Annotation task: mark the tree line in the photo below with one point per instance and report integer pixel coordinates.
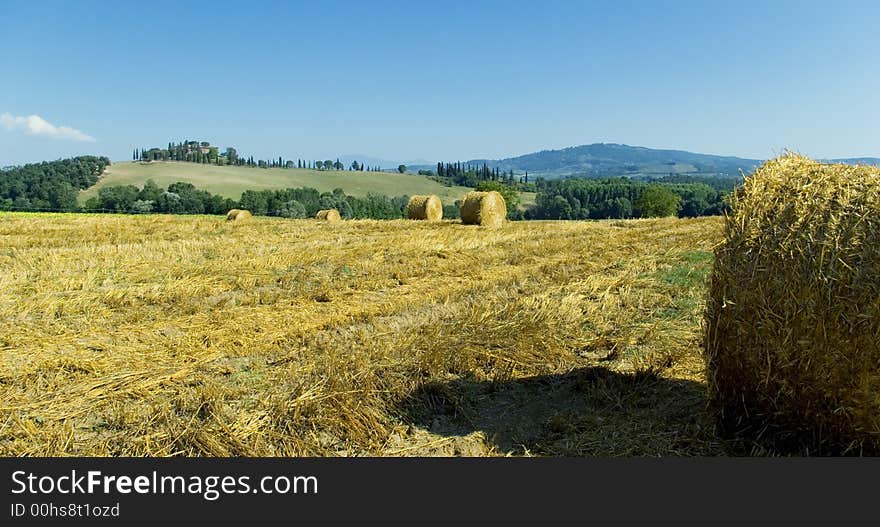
(305, 202)
(205, 153)
(580, 199)
(724, 184)
(50, 185)
(468, 175)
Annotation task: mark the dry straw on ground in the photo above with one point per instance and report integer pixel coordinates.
(238, 215)
(167, 335)
(425, 208)
(793, 320)
(483, 208)
(331, 215)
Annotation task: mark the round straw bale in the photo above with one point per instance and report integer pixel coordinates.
(425, 208)
(331, 215)
(483, 208)
(792, 338)
(238, 215)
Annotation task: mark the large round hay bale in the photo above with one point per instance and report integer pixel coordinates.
(792, 339)
(238, 215)
(331, 215)
(425, 208)
(483, 208)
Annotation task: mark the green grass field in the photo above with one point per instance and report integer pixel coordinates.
(232, 181)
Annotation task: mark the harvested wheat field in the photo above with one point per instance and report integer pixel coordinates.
(174, 335)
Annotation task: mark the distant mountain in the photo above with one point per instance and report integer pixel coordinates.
(611, 159)
(856, 160)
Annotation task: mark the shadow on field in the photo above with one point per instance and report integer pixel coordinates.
(588, 411)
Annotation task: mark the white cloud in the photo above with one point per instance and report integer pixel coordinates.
(36, 125)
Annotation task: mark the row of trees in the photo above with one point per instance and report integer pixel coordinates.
(472, 175)
(719, 183)
(178, 198)
(306, 202)
(50, 185)
(573, 199)
(203, 152)
(184, 198)
(565, 199)
(579, 199)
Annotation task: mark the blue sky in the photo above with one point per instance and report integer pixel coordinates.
(438, 80)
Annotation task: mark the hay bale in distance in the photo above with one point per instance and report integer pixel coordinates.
(331, 215)
(425, 208)
(238, 215)
(483, 208)
(792, 337)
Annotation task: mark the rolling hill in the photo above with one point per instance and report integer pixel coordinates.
(611, 160)
(856, 160)
(231, 181)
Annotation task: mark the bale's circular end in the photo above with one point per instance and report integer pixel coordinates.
(792, 332)
(329, 215)
(425, 208)
(483, 208)
(238, 215)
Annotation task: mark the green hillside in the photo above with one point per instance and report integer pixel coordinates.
(612, 160)
(230, 181)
